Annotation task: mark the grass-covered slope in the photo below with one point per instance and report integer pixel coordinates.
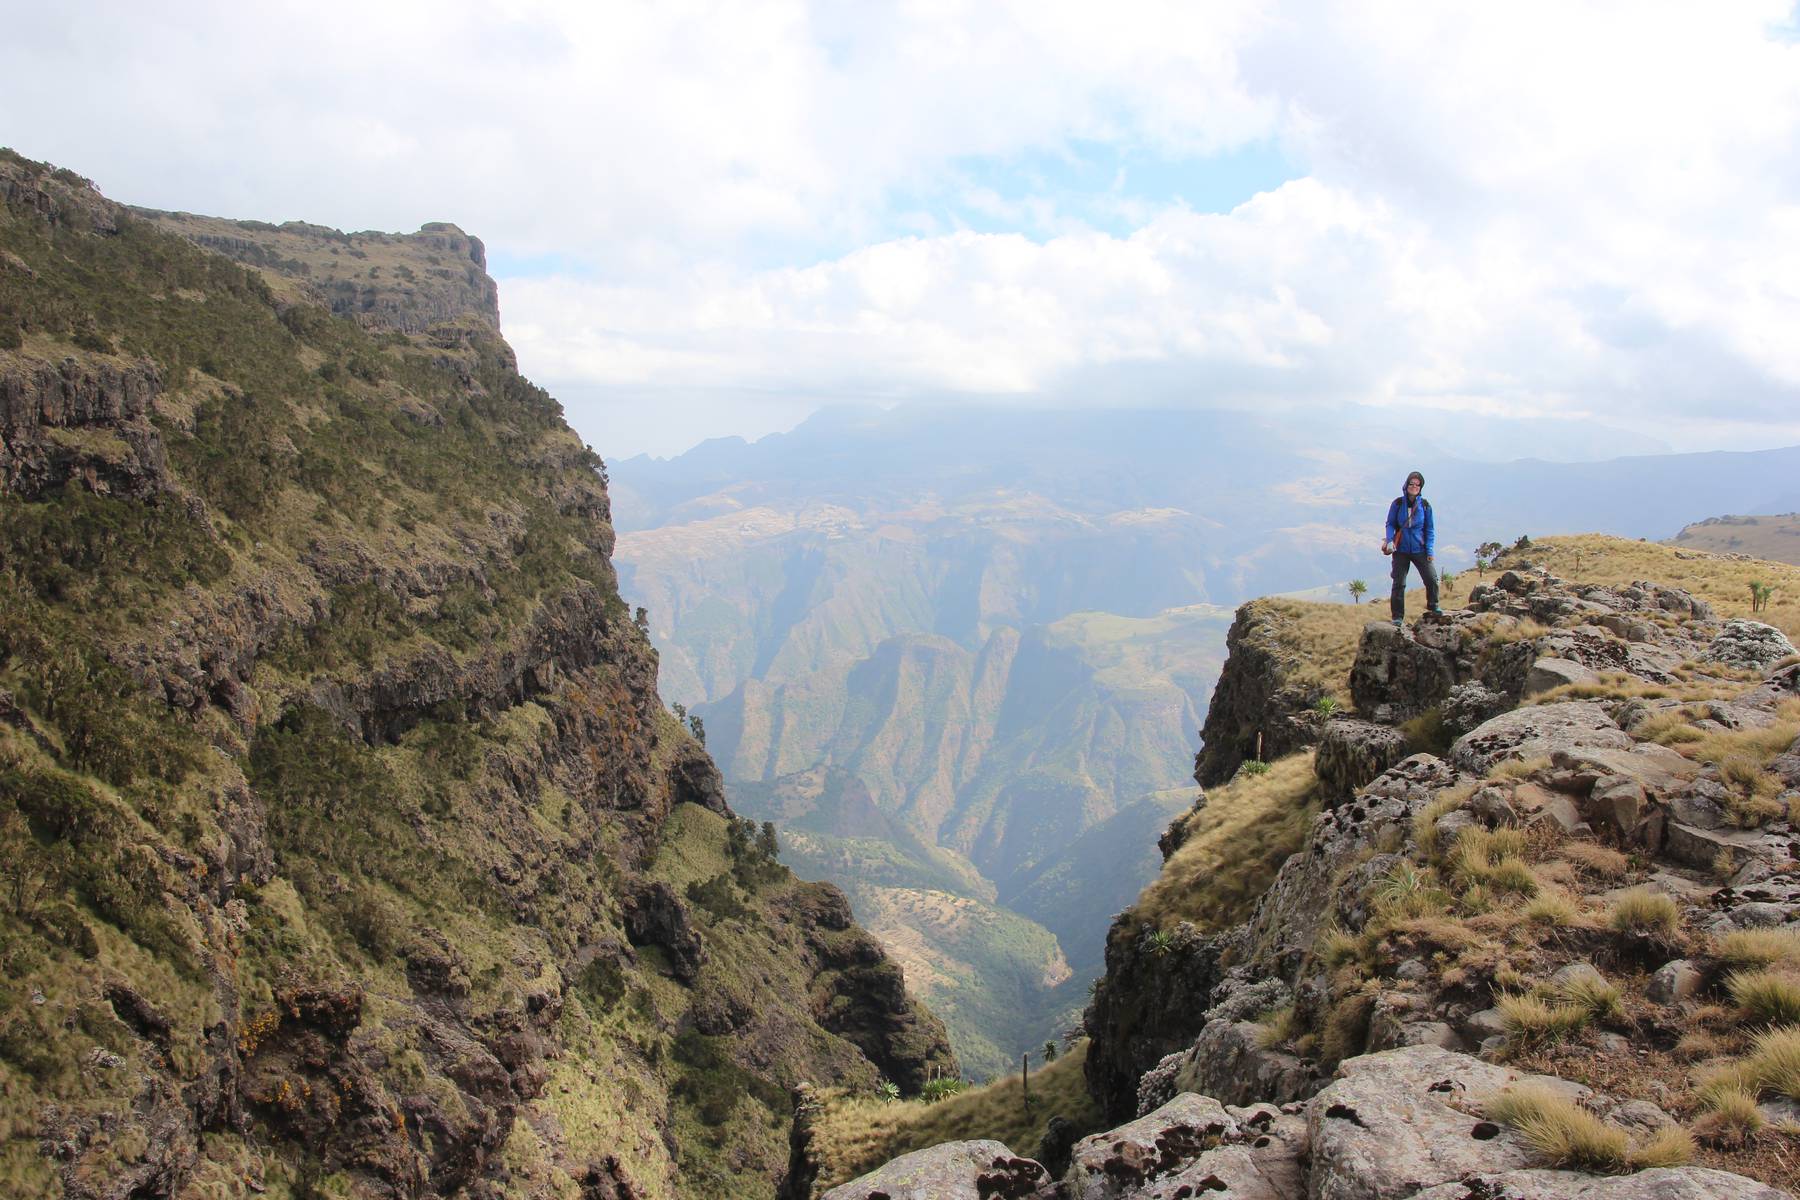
(346, 848)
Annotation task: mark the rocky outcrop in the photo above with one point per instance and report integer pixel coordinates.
(84, 420)
(983, 1170)
(1264, 700)
(1352, 753)
(1749, 645)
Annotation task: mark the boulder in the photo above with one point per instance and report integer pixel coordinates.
(1537, 732)
(1120, 1161)
(1352, 753)
(1396, 677)
(1661, 1183)
(1749, 645)
(1228, 1062)
(952, 1171)
(1267, 1169)
(1471, 703)
(1549, 673)
(1403, 1120)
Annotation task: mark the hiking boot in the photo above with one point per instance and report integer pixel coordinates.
(1399, 623)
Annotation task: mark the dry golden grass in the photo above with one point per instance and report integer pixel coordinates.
(1766, 996)
(855, 1134)
(1234, 847)
(1774, 1063)
(1743, 757)
(1643, 910)
(1722, 582)
(1566, 1134)
(1425, 821)
(1322, 637)
(1732, 1116)
(1601, 1000)
(1670, 1146)
(1519, 768)
(1554, 908)
(1758, 947)
(1533, 1019)
(1600, 862)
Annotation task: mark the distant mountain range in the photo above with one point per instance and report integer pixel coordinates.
(998, 632)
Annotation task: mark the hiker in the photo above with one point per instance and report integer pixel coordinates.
(1412, 540)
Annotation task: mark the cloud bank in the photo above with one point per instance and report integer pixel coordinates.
(710, 218)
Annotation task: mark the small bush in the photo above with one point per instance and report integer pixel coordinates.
(1758, 947)
(1766, 996)
(1642, 910)
(1562, 1131)
(941, 1089)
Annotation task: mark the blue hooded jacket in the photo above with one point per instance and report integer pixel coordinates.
(1412, 532)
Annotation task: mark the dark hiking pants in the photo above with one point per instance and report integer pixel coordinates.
(1427, 572)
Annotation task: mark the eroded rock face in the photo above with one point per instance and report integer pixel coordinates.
(1352, 753)
(982, 1170)
(1227, 1061)
(82, 419)
(1120, 1161)
(1262, 697)
(1661, 1183)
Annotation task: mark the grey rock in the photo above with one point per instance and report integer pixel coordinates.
(951, 1171)
(1641, 1115)
(1351, 753)
(1535, 732)
(1469, 704)
(1675, 981)
(1485, 1024)
(1269, 1168)
(1749, 644)
(1661, 1183)
(1397, 1122)
(1120, 1161)
(1548, 673)
(1577, 973)
(1227, 1062)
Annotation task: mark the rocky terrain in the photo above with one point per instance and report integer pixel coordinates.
(346, 848)
(1540, 937)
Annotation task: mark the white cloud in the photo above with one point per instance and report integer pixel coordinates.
(1549, 208)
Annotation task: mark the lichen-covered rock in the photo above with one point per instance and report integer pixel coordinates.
(1352, 753)
(1404, 1120)
(1264, 700)
(1120, 1161)
(980, 1170)
(1750, 645)
(1537, 732)
(1228, 1061)
(1660, 1183)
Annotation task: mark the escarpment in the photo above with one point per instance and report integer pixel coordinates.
(1521, 919)
(347, 847)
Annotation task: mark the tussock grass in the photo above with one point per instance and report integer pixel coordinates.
(1336, 947)
(1767, 996)
(1671, 728)
(855, 1134)
(1566, 1134)
(1670, 1146)
(1732, 1116)
(1602, 862)
(1493, 859)
(1278, 1027)
(1758, 947)
(1533, 1019)
(1519, 768)
(1324, 637)
(1774, 1062)
(1406, 891)
(1553, 907)
(1425, 821)
(1602, 1001)
(1643, 910)
(1501, 631)
(1234, 847)
(1616, 685)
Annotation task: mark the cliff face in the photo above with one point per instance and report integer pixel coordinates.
(347, 846)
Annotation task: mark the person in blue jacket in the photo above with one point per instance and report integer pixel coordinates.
(1412, 540)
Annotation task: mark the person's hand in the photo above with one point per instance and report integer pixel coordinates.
(1387, 547)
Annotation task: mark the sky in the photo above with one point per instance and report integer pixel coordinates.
(712, 219)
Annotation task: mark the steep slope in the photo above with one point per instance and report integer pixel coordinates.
(1540, 941)
(997, 765)
(347, 847)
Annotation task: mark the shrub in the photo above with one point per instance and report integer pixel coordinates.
(1253, 766)
(940, 1089)
(1766, 996)
(1561, 1130)
(1642, 910)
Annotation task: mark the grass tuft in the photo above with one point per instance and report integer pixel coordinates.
(1670, 1146)
(1602, 1001)
(1758, 947)
(1766, 996)
(1554, 908)
(1562, 1131)
(1732, 1116)
(1643, 910)
(1774, 1062)
(1533, 1019)
(1602, 862)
